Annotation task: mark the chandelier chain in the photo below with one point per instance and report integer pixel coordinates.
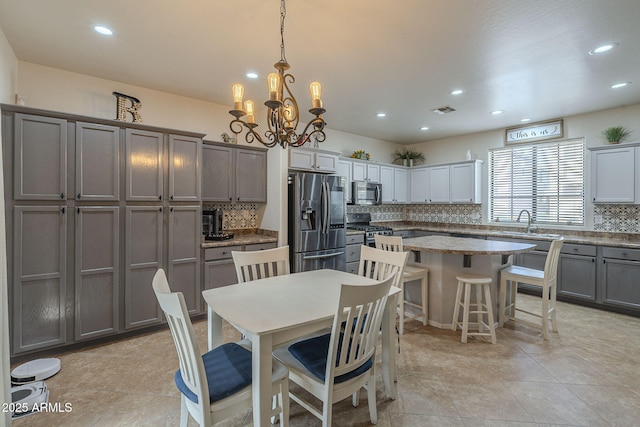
(283, 13)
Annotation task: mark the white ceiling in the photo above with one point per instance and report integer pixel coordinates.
(526, 57)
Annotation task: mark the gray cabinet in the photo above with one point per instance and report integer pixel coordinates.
(97, 278)
(143, 163)
(352, 250)
(39, 288)
(184, 253)
(577, 272)
(97, 162)
(185, 158)
(40, 158)
(619, 278)
(234, 175)
(143, 256)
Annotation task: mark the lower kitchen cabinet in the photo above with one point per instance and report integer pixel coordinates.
(577, 272)
(620, 272)
(354, 245)
(143, 257)
(97, 271)
(39, 289)
(184, 254)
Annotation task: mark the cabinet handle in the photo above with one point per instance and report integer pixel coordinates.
(63, 210)
(624, 254)
(159, 209)
(593, 260)
(78, 195)
(231, 199)
(171, 198)
(159, 197)
(78, 211)
(171, 209)
(62, 196)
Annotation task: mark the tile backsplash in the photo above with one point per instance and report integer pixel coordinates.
(616, 218)
(236, 216)
(454, 214)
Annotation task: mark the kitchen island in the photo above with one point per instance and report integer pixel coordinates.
(446, 257)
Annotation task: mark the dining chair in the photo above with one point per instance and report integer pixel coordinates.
(546, 279)
(337, 365)
(378, 264)
(220, 377)
(254, 265)
(411, 273)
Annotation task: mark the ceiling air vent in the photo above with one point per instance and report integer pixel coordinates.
(444, 110)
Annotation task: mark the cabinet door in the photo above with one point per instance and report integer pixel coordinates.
(143, 257)
(400, 185)
(218, 178)
(251, 176)
(325, 162)
(463, 183)
(144, 165)
(577, 277)
(301, 159)
(185, 158)
(219, 273)
(184, 253)
(343, 168)
(359, 171)
(373, 173)
(418, 188)
(386, 179)
(609, 170)
(40, 158)
(438, 184)
(621, 285)
(97, 271)
(97, 162)
(39, 277)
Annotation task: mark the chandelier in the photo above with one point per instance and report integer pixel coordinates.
(283, 114)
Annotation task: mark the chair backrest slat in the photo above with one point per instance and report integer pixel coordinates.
(378, 264)
(254, 265)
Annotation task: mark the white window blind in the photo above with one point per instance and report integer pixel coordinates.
(546, 179)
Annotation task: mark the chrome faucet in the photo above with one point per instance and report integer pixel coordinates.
(529, 229)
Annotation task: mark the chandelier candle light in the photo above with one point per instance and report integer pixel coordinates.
(282, 109)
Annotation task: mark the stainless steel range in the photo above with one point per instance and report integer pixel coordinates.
(361, 222)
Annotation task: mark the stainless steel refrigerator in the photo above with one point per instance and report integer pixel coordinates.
(317, 234)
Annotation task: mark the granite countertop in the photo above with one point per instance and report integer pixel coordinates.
(460, 245)
(623, 240)
(241, 238)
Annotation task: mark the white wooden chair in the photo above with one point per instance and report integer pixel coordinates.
(379, 265)
(254, 265)
(220, 377)
(547, 280)
(337, 365)
(411, 272)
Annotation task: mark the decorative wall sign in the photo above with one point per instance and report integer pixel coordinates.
(551, 129)
(122, 109)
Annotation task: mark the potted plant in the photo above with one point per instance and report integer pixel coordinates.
(408, 157)
(616, 134)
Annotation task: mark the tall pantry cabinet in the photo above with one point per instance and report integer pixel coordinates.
(93, 208)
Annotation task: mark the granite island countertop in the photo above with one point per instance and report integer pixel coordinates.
(238, 239)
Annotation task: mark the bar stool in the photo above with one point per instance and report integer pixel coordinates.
(411, 272)
(481, 283)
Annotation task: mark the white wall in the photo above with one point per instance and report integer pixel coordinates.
(8, 77)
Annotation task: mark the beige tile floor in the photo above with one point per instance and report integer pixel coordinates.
(586, 375)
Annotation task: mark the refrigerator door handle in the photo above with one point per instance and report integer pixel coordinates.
(377, 196)
(325, 208)
(322, 256)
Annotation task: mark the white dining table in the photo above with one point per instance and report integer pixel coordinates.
(278, 309)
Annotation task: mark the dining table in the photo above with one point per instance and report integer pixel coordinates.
(273, 311)
(446, 257)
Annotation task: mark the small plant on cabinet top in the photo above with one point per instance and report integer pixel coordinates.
(361, 154)
(401, 156)
(616, 134)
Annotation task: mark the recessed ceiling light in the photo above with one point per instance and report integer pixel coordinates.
(382, 114)
(252, 75)
(525, 120)
(456, 92)
(105, 31)
(424, 128)
(602, 49)
(619, 85)
(497, 112)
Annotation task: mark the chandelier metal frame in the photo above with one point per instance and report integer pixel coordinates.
(283, 114)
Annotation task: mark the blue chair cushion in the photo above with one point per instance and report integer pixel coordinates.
(313, 352)
(228, 369)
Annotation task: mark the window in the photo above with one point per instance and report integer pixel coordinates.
(546, 179)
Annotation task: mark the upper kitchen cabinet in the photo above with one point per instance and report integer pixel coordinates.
(419, 190)
(447, 183)
(613, 172)
(365, 171)
(439, 183)
(97, 162)
(465, 182)
(395, 184)
(143, 150)
(40, 157)
(185, 158)
(343, 168)
(313, 160)
(231, 174)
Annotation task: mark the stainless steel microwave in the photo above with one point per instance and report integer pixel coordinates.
(366, 193)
